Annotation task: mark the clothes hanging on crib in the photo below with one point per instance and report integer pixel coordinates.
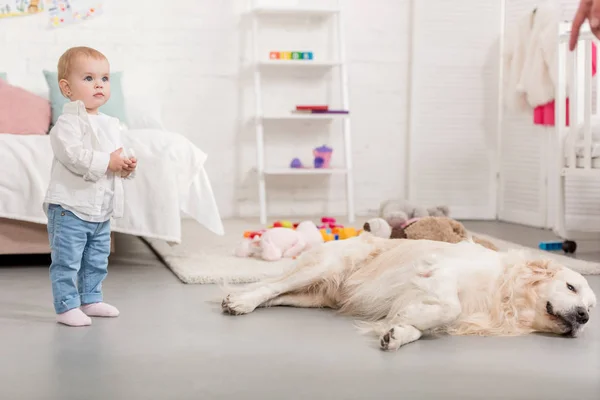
(545, 114)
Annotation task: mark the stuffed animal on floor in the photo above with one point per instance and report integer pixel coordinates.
(277, 243)
(398, 212)
(441, 229)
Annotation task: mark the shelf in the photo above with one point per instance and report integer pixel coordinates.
(304, 117)
(301, 11)
(305, 171)
(299, 63)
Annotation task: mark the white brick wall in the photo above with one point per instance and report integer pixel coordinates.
(189, 53)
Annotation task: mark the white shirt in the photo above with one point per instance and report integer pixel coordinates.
(101, 124)
(80, 181)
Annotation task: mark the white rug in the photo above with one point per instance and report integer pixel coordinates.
(581, 266)
(206, 258)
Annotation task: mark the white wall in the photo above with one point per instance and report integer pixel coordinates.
(191, 53)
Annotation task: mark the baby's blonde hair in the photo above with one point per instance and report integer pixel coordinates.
(66, 61)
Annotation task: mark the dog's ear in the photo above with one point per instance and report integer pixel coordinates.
(540, 270)
(538, 266)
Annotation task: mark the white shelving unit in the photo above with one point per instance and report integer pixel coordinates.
(261, 65)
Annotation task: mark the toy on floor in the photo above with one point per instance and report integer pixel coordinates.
(568, 246)
(331, 230)
(279, 242)
(398, 212)
(253, 234)
(441, 229)
(283, 224)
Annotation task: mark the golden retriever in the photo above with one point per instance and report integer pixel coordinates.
(402, 289)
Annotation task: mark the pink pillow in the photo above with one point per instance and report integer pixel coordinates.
(22, 112)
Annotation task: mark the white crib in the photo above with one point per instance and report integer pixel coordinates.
(578, 145)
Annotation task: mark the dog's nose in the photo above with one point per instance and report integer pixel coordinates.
(581, 315)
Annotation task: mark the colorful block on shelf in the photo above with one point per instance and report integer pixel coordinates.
(291, 55)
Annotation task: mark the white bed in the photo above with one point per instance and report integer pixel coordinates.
(171, 183)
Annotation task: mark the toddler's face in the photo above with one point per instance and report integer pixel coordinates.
(89, 81)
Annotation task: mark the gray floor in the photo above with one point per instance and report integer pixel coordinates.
(171, 342)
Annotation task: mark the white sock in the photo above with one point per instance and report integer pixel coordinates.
(100, 310)
(74, 317)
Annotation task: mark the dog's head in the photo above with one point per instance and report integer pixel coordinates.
(563, 298)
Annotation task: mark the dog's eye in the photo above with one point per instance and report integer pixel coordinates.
(571, 288)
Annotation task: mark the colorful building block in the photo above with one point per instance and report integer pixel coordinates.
(307, 55)
(274, 55)
(286, 55)
(296, 55)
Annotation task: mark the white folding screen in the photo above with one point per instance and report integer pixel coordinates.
(454, 105)
(523, 152)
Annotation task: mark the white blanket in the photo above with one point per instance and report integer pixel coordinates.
(170, 183)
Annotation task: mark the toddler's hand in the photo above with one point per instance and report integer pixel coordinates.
(132, 165)
(130, 168)
(116, 163)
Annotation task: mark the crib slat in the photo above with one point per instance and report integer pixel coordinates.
(573, 107)
(559, 104)
(587, 88)
(597, 111)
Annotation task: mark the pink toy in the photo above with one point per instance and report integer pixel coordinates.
(329, 222)
(322, 156)
(277, 243)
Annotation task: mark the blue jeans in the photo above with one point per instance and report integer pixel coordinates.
(79, 251)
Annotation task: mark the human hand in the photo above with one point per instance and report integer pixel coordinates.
(590, 10)
(116, 162)
(130, 168)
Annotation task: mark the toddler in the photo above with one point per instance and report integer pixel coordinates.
(85, 188)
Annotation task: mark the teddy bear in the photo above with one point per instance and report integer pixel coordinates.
(441, 229)
(398, 212)
(279, 242)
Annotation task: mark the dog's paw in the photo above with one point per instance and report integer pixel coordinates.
(398, 336)
(234, 305)
(388, 341)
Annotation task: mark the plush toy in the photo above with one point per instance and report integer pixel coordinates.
(441, 229)
(279, 242)
(397, 212)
